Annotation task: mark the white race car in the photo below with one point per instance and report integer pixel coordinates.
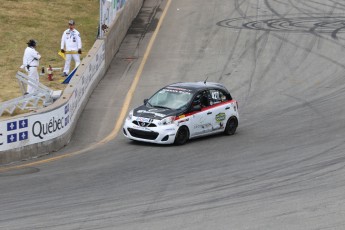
(181, 111)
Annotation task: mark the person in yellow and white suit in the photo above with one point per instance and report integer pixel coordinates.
(71, 46)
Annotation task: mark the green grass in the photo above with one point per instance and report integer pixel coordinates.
(44, 21)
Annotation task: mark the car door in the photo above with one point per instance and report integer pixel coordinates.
(202, 115)
(221, 109)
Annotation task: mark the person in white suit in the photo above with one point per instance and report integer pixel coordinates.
(71, 46)
(30, 64)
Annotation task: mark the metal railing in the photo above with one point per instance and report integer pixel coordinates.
(42, 97)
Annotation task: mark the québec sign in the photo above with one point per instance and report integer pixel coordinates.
(41, 129)
(30, 130)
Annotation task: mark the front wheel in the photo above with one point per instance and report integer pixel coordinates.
(231, 126)
(182, 136)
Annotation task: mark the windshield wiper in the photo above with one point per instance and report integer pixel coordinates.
(163, 107)
(148, 103)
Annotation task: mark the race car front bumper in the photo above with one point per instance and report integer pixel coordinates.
(164, 134)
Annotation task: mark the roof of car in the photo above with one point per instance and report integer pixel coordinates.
(196, 86)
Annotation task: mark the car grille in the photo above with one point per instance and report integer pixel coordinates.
(143, 134)
(144, 124)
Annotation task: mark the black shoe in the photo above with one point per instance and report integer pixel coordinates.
(64, 74)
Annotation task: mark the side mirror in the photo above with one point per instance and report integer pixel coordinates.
(145, 101)
(196, 108)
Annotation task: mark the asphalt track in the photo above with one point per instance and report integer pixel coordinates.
(284, 169)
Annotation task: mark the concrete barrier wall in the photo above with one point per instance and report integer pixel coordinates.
(51, 128)
(119, 29)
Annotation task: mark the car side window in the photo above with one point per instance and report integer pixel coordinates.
(205, 98)
(217, 96)
(202, 99)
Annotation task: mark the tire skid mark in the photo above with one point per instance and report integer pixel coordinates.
(314, 41)
(268, 5)
(209, 37)
(309, 8)
(292, 172)
(306, 50)
(304, 103)
(252, 47)
(272, 61)
(303, 11)
(239, 10)
(333, 61)
(253, 186)
(336, 4)
(257, 52)
(337, 94)
(285, 178)
(333, 7)
(232, 51)
(306, 53)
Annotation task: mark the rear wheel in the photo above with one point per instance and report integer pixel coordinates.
(231, 126)
(182, 136)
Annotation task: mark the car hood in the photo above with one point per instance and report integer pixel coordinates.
(154, 113)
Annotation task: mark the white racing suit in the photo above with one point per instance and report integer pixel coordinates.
(30, 63)
(71, 39)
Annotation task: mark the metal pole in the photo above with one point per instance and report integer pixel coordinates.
(100, 19)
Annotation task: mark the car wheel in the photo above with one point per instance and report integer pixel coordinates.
(182, 135)
(231, 126)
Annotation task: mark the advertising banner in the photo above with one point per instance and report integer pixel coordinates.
(16, 133)
(36, 128)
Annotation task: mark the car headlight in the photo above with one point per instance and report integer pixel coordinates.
(167, 120)
(130, 115)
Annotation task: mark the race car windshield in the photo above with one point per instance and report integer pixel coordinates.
(170, 98)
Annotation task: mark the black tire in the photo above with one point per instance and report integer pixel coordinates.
(182, 136)
(231, 126)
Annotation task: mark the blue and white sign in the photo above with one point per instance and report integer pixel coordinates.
(17, 131)
(11, 138)
(11, 126)
(23, 123)
(36, 128)
(23, 135)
